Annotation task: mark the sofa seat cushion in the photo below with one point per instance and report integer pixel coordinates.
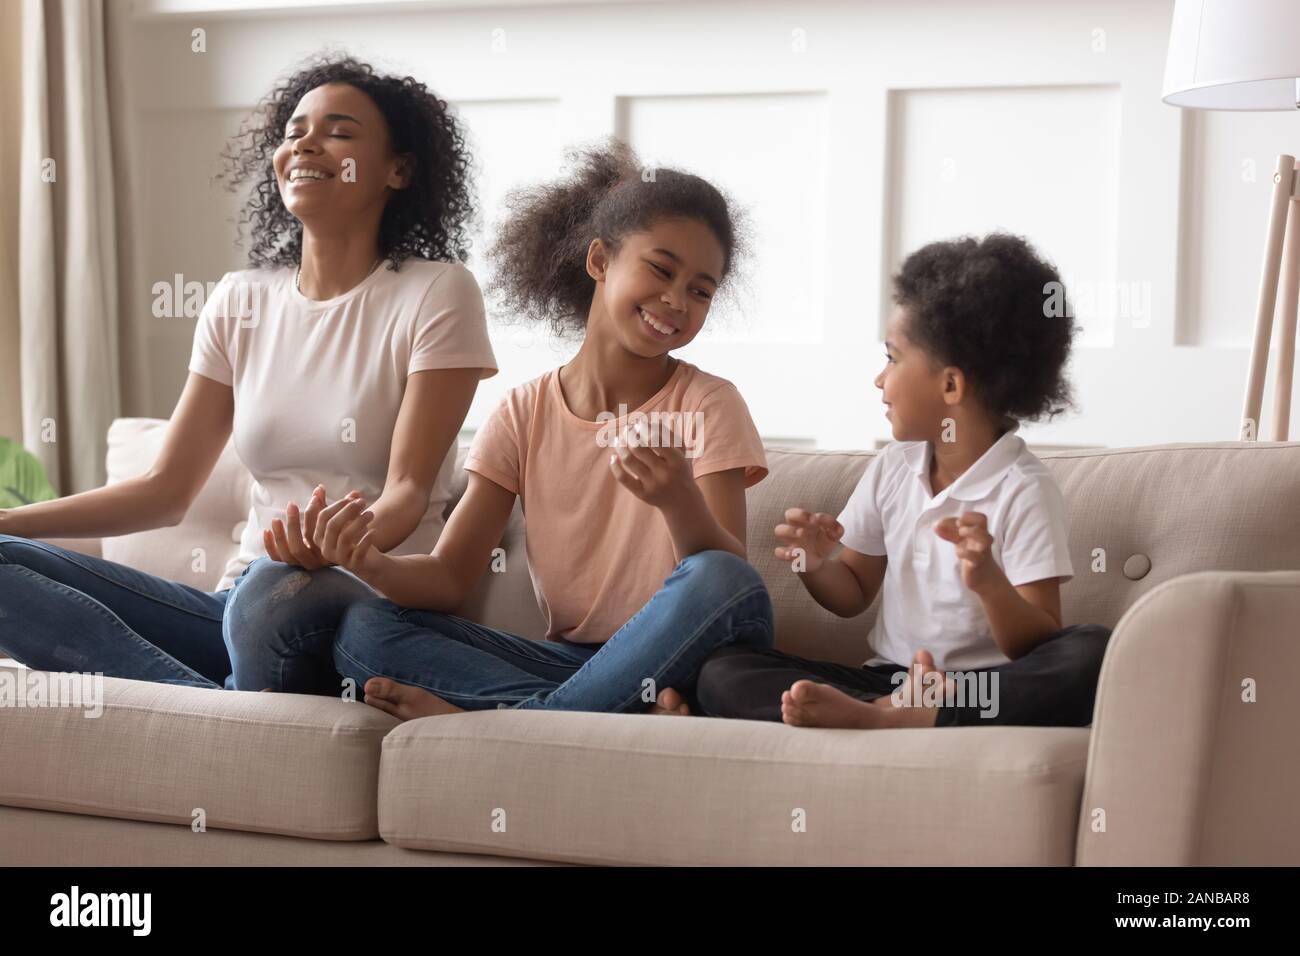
(266, 763)
(640, 789)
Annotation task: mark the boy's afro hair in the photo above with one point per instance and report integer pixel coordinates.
(994, 309)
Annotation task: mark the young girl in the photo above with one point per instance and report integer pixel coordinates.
(636, 535)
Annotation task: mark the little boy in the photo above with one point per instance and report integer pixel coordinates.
(966, 529)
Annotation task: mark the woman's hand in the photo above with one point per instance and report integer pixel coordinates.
(970, 533)
(342, 536)
(291, 540)
(656, 471)
(810, 536)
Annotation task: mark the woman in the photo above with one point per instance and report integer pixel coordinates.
(348, 354)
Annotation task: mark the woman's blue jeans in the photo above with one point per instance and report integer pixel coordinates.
(712, 599)
(61, 610)
(64, 611)
(279, 627)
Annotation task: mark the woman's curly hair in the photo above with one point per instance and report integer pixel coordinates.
(540, 253)
(429, 219)
(994, 309)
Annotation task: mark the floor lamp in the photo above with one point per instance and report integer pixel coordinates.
(1245, 55)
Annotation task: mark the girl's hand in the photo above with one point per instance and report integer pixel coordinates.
(343, 537)
(812, 536)
(652, 467)
(970, 533)
(290, 540)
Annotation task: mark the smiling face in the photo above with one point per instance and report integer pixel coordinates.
(917, 391)
(336, 164)
(654, 294)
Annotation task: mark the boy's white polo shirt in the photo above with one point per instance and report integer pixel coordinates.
(924, 603)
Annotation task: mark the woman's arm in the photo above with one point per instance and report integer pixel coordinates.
(440, 581)
(197, 433)
(433, 410)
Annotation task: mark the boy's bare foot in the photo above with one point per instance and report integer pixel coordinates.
(922, 664)
(669, 702)
(404, 701)
(810, 704)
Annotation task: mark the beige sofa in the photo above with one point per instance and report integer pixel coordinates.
(1189, 551)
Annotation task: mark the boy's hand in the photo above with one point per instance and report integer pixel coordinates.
(970, 533)
(812, 536)
(342, 535)
(651, 466)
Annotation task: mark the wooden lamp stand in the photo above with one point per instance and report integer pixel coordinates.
(1281, 258)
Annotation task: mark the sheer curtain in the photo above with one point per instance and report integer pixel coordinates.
(67, 265)
(11, 402)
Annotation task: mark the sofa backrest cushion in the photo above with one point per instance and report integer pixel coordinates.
(194, 552)
(1138, 517)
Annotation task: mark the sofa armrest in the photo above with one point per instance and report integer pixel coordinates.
(91, 546)
(1192, 756)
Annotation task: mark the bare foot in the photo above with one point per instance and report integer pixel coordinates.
(810, 704)
(914, 691)
(669, 702)
(404, 701)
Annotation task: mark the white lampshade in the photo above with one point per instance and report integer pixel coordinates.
(1234, 55)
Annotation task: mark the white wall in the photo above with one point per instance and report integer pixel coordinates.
(853, 132)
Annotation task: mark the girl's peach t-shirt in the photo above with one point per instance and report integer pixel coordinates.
(596, 552)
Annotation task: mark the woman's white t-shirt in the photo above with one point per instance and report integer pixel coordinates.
(318, 384)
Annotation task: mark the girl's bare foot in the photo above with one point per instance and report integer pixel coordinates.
(404, 701)
(669, 702)
(810, 704)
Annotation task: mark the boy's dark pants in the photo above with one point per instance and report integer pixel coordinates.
(1051, 686)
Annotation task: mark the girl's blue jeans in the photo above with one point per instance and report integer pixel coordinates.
(711, 600)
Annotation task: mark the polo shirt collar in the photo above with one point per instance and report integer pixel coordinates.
(980, 478)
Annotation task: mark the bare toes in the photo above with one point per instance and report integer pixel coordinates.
(803, 691)
(670, 702)
(381, 703)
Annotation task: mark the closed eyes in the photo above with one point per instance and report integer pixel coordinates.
(332, 136)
